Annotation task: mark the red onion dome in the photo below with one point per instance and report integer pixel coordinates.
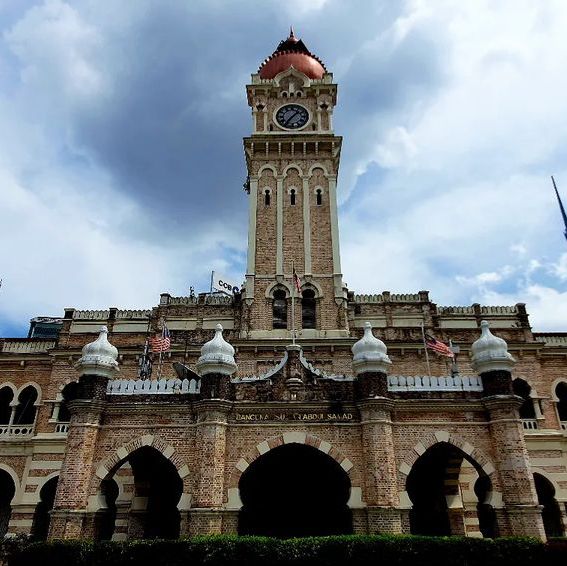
(292, 52)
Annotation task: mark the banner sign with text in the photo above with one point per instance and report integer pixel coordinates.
(224, 284)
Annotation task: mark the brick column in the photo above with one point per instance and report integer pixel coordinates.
(522, 513)
(70, 517)
(379, 463)
(370, 363)
(215, 366)
(206, 516)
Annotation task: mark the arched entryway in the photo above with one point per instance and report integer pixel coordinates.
(434, 488)
(294, 490)
(7, 491)
(149, 508)
(551, 513)
(40, 524)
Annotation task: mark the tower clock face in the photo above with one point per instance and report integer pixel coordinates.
(292, 116)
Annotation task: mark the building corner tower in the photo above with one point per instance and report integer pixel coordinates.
(292, 157)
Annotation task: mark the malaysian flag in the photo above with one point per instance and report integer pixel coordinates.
(161, 342)
(438, 347)
(296, 281)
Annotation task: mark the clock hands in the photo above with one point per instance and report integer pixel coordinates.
(288, 122)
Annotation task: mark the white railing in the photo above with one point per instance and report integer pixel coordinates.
(152, 386)
(529, 424)
(563, 425)
(426, 383)
(62, 428)
(19, 431)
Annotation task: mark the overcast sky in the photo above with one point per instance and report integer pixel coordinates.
(121, 162)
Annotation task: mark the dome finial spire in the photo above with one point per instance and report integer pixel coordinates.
(291, 34)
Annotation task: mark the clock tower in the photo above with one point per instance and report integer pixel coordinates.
(292, 158)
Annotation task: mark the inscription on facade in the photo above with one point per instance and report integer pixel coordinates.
(309, 417)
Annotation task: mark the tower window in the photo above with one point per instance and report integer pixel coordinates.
(267, 197)
(308, 309)
(292, 197)
(279, 310)
(319, 197)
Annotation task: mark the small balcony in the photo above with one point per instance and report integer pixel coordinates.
(62, 428)
(529, 424)
(16, 431)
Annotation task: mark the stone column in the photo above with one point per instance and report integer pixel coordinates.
(370, 364)
(215, 366)
(521, 515)
(69, 518)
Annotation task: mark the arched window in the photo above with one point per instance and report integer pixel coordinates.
(26, 409)
(292, 197)
(70, 392)
(522, 389)
(319, 197)
(267, 197)
(308, 309)
(561, 394)
(6, 396)
(279, 310)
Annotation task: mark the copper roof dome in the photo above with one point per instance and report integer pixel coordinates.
(292, 52)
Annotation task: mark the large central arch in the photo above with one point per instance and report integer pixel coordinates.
(294, 490)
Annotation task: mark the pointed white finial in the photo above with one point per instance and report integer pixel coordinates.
(370, 354)
(217, 356)
(490, 353)
(98, 357)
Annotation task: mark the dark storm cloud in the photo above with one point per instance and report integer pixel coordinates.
(169, 133)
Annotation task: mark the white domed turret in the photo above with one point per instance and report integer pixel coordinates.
(98, 357)
(217, 356)
(490, 353)
(370, 354)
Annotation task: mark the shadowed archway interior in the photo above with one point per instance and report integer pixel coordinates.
(294, 491)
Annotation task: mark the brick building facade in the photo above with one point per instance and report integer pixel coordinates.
(296, 419)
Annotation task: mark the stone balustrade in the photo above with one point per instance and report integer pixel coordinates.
(434, 383)
(529, 424)
(16, 431)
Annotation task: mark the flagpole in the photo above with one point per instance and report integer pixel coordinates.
(161, 349)
(292, 303)
(425, 348)
(212, 279)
